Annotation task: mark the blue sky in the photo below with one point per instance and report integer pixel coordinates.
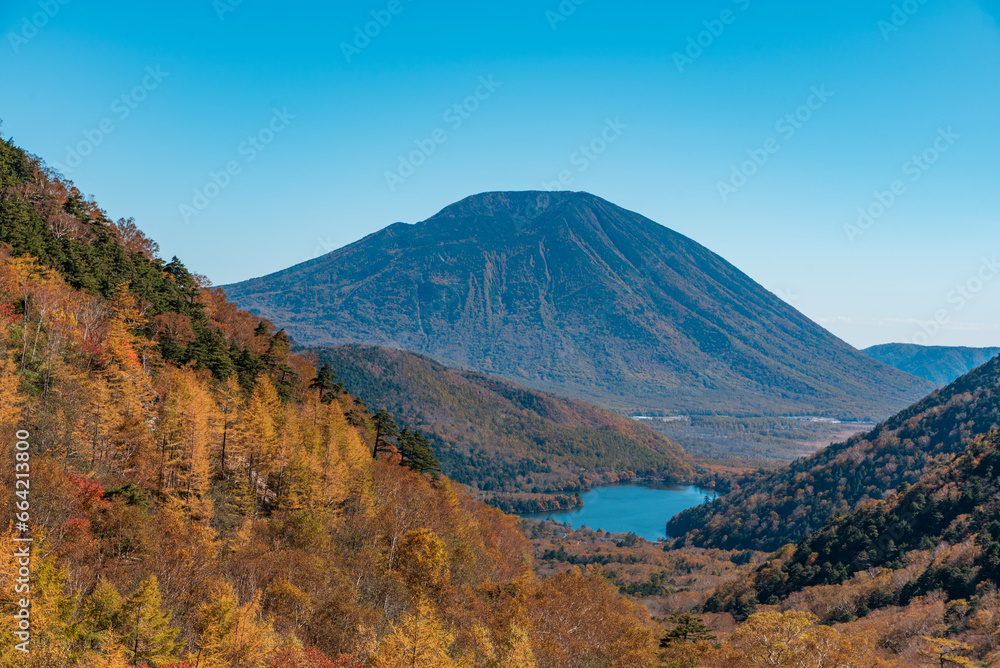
(288, 136)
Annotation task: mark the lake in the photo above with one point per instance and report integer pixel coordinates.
(640, 509)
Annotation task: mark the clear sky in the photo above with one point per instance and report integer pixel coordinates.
(757, 128)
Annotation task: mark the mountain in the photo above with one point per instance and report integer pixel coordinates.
(786, 505)
(939, 364)
(568, 293)
(498, 437)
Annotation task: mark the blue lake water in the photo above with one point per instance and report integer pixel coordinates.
(643, 510)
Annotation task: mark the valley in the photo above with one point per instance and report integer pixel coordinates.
(762, 441)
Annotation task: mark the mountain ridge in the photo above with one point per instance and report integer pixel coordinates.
(498, 437)
(939, 364)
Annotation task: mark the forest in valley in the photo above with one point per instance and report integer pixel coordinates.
(519, 447)
(199, 496)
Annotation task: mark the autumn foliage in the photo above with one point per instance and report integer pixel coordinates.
(196, 502)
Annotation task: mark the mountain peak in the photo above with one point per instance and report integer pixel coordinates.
(523, 205)
(566, 292)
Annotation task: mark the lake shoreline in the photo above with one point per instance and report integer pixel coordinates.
(635, 507)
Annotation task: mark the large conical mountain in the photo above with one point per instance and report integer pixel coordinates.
(569, 293)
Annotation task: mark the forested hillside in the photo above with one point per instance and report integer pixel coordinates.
(925, 563)
(498, 437)
(785, 506)
(949, 523)
(197, 496)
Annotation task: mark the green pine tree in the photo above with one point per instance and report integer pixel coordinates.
(687, 628)
(385, 428)
(147, 631)
(325, 383)
(101, 615)
(417, 453)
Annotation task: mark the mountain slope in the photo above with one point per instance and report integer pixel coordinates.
(788, 504)
(939, 364)
(498, 437)
(953, 513)
(568, 293)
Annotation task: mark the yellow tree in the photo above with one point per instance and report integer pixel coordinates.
(772, 638)
(826, 647)
(292, 479)
(261, 422)
(289, 605)
(345, 457)
(231, 635)
(47, 617)
(169, 436)
(515, 650)
(94, 427)
(187, 430)
(419, 641)
(794, 639)
(422, 560)
(147, 634)
(121, 342)
(131, 393)
(947, 652)
(579, 619)
(229, 400)
(97, 628)
(131, 445)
